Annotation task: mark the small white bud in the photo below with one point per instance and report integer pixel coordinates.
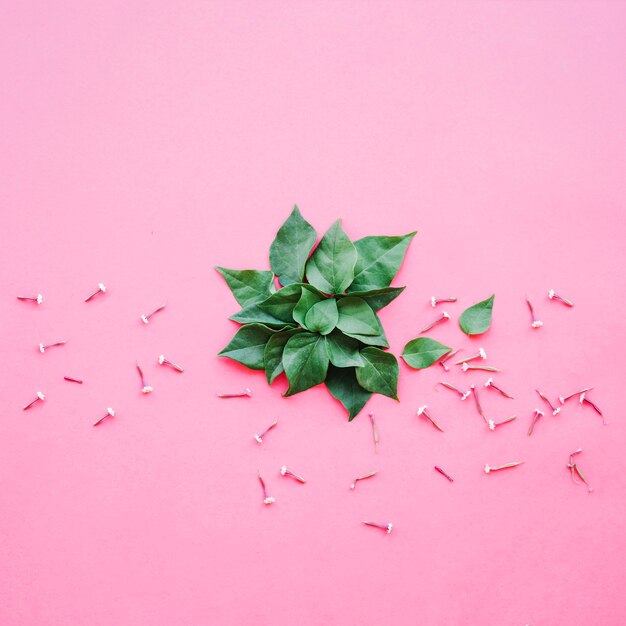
(421, 409)
(41, 396)
(147, 389)
(39, 298)
(466, 395)
(492, 425)
(42, 348)
(537, 324)
(433, 301)
(551, 294)
(487, 469)
(483, 354)
(110, 411)
(283, 470)
(102, 287)
(446, 315)
(581, 399)
(465, 367)
(161, 359)
(145, 320)
(389, 527)
(258, 438)
(269, 500)
(489, 382)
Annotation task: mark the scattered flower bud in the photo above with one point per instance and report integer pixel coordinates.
(555, 296)
(101, 289)
(491, 385)
(110, 413)
(259, 438)
(40, 398)
(145, 318)
(435, 301)
(386, 527)
(285, 472)
(38, 298)
(489, 469)
(422, 411)
(364, 477)
(442, 318)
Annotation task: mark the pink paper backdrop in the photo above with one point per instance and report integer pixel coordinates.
(142, 143)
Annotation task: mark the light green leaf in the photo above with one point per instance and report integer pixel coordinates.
(322, 317)
(343, 351)
(248, 345)
(378, 298)
(477, 319)
(277, 310)
(305, 361)
(423, 352)
(331, 266)
(371, 340)
(291, 248)
(379, 373)
(248, 286)
(309, 297)
(357, 317)
(273, 355)
(379, 259)
(343, 385)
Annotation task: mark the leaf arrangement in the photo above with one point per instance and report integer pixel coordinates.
(321, 325)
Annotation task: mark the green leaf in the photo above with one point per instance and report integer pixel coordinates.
(357, 317)
(291, 248)
(305, 361)
(343, 351)
(248, 345)
(371, 340)
(277, 310)
(331, 266)
(379, 259)
(423, 352)
(343, 385)
(248, 286)
(322, 317)
(309, 297)
(273, 355)
(379, 373)
(378, 298)
(477, 319)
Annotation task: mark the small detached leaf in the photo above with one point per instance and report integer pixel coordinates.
(378, 298)
(477, 319)
(248, 345)
(331, 266)
(379, 259)
(380, 372)
(309, 297)
(273, 355)
(277, 310)
(305, 361)
(322, 317)
(343, 351)
(248, 286)
(291, 248)
(343, 386)
(423, 352)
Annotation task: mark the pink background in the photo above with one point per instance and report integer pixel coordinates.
(143, 143)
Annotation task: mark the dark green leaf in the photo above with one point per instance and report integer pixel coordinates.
(371, 340)
(357, 317)
(343, 351)
(291, 248)
(423, 352)
(378, 298)
(275, 310)
(379, 259)
(379, 373)
(273, 355)
(322, 317)
(305, 361)
(309, 297)
(248, 286)
(477, 319)
(248, 345)
(343, 385)
(331, 266)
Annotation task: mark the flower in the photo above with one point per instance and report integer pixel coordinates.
(487, 469)
(556, 411)
(537, 324)
(42, 348)
(422, 409)
(445, 315)
(433, 301)
(551, 294)
(110, 411)
(102, 286)
(283, 470)
(389, 527)
(465, 367)
(467, 394)
(147, 389)
(39, 298)
(482, 353)
(258, 438)
(489, 381)
(161, 359)
(539, 413)
(41, 395)
(492, 425)
(269, 500)
(145, 320)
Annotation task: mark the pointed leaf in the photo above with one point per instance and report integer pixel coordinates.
(371, 340)
(305, 361)
(379, 373)
(248, 286)
(379, 259)
(477, 319)
(423, 352)
(356, 316)
(309, 297)
(343, 385)
(331, 266)
(291, 248)
(343, 351)
(275, 310)
(378, 298)
(273, 355)
(322, 317)
(248, 345)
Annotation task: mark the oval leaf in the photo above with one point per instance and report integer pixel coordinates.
(275, 310)
(248, 286)
(379, 259)
(379, 373)
(378, 298)
(331, 266)
(309, 297)
(291, 248)
(477, 319)
(305, 361)
(248, 345)
(322, 317)
(343, 385)
(343, 351)
(357, 317)
(273, 354)
(423, 352)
